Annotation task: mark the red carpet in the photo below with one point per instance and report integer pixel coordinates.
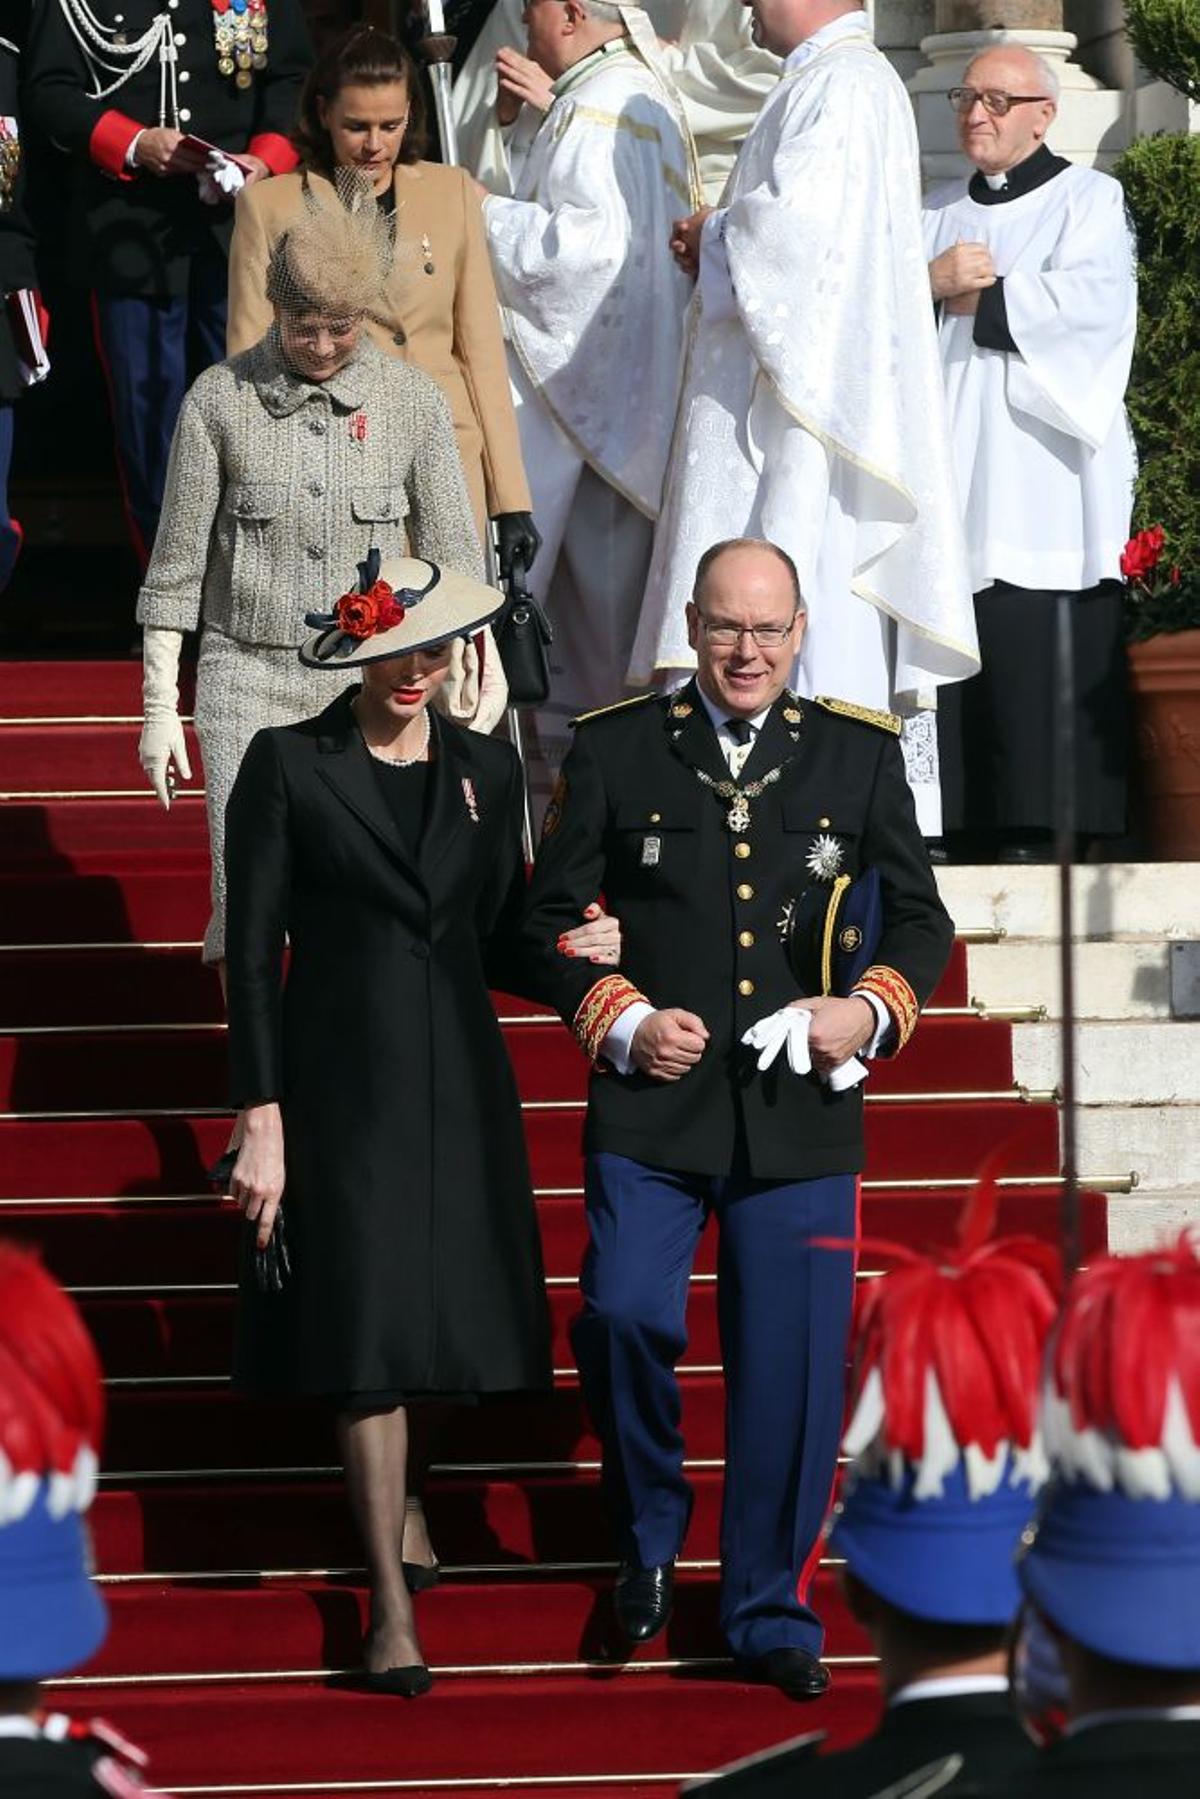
(220, 1530)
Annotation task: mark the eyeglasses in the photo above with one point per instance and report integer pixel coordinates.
(995, 100)
(727, 637)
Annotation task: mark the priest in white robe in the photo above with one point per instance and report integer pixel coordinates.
(720, 74)
(812, 411)
(1032, 267)
(593, 306)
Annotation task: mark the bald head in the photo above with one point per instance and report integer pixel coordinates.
(997, 143)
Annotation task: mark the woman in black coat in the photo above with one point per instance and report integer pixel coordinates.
(383, 843)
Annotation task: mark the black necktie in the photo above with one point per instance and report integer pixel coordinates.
(740, 729)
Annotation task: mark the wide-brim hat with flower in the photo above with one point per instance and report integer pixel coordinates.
(398, 607)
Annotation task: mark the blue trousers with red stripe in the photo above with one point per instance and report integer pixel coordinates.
(784, 1312)
(152, 349)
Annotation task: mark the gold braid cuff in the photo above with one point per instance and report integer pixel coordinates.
(889, 985)
(600, 1009)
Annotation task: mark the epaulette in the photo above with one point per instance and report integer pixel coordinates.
(866, 715)
(639, 699)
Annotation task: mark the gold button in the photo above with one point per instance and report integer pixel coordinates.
(745, 891)
(746, 939)
(822, 824)
(656, 818)
(741, 851)
(745, 988)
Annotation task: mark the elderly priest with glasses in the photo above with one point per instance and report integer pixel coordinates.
(1031, 266)
(779, 916)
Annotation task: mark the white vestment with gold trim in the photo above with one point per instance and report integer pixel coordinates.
(813, 411)
(593, 307)
(721, 76)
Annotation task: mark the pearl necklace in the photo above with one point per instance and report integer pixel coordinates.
(403, 761)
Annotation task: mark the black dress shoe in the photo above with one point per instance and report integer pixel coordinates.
(643, 1599)
(795, 1672)
(403, 1683)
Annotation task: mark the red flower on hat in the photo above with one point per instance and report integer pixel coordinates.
(367, 614)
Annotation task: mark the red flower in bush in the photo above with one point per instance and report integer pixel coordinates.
(366, 614)
(1141, 554)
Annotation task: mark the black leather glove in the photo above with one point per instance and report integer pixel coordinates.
(517, 537)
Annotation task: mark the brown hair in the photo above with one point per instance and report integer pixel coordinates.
(360, 57)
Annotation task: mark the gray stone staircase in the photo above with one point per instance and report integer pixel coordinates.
(1137, 1062)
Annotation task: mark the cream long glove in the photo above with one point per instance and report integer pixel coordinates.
(162, 747)
(473, 696)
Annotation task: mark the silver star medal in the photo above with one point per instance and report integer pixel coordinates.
(824, 859)
(738, 815)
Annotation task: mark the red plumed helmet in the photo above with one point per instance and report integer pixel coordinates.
(1123, 1400)
(51, 1391)
(949, 1357)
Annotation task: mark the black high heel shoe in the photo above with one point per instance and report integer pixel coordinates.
(419, 1576)
(401, 1683)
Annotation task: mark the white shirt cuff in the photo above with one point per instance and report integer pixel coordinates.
(131, 153)
(884, 1022)
(615, 1048)
(716, 288)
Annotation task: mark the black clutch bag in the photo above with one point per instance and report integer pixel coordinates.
(523, 636)
(272, 1265)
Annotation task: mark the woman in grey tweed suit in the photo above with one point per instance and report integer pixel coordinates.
(290, 462)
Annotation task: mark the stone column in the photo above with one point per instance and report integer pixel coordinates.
(1012, 15)
(1094, 124)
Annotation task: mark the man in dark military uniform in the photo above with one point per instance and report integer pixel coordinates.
(704, 816)
(121, 85)
(52, 1616)
(935, 1498)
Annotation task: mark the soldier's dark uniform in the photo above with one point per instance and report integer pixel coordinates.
(61, 1758)
(1132, 1758)
(980, 1727)
(701, 908)
(16, 261)
(153, 252)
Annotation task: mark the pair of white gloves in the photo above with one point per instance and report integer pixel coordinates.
(220, 179)
(789, 1027)
(474, 695)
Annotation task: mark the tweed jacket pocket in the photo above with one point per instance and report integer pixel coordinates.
(379, 502)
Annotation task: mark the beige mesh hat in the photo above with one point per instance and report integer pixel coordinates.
(335, 260)
(399, 606)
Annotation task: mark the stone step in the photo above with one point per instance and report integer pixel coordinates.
(1112, 980)
(1123, 1063)
(1148, 1217)
(1147, 900)
(1158, 1143)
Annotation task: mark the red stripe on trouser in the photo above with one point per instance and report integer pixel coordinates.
(134, 529)
(818, 1549)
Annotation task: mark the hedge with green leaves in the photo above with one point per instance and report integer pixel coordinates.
(1166, 37)
(1161, 178)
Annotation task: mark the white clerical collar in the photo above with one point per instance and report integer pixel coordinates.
(1135, 1714)
(851, 24)
(617, 46)
(999, 182)
(718, 718)
(948, 1686)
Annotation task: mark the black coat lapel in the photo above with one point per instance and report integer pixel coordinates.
(457, 792)
(691, 735)
(344, 764)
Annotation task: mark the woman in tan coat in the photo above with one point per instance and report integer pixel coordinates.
(362, 109)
